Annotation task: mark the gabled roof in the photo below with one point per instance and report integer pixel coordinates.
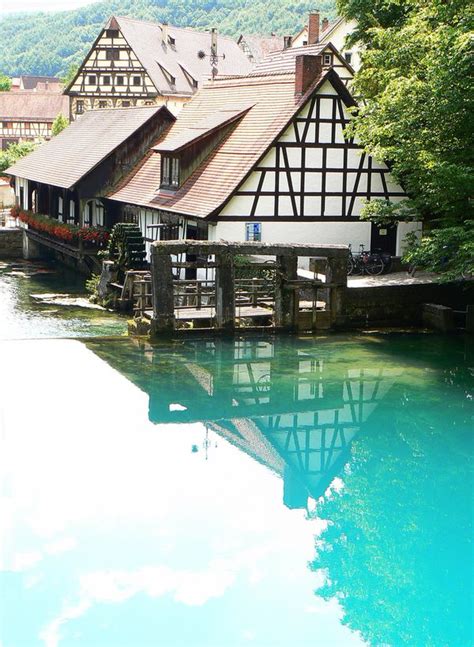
(219, 175)
(25, 105)
(180, 60)
(285, 60)
(31, 82)
(80, 147)
(202, 129)
(261, 46)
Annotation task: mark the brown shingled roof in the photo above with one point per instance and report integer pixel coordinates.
(146, 40)
(219, 175)
(81, 146)
(262, 46)
(284, 60)
(23, 105)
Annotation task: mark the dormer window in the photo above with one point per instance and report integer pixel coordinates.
(171, 41)
(327, 59)
(169, 172)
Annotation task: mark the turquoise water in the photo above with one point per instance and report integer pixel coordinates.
(263, 492)
(45, 300)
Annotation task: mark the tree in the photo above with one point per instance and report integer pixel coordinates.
(5, 83)
(15, 152)
(70, 75)
(59, 124)
(417, 103)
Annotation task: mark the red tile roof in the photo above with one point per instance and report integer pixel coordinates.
(219, 175)
(284, 60)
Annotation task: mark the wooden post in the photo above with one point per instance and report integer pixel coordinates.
(286, 299)
(225, 292)
(163, 292)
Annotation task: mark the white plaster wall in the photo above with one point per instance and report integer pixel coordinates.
(318, 233)
(403, 229)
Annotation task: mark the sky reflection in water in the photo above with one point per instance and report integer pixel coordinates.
(167, 495)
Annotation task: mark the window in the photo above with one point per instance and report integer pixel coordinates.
(125, 104)
(92, 79)
(106, 80)
(111, 33)
(348, 57)
(79, 107)
(253, 231)
(305, 42)
(6, 124)
(327, 59)
(170, 171)
(137, 80)
(120, 80)
(112, 54)
(171, 40)
(60, 208)
(102, 104)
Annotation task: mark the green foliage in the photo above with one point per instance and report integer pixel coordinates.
(50, 43)
(448, 250)
(5, 83)
(92, 286)
(70, 74)
(59, 124)
(417, 99)
(417, 112)
(384, 212)
(15, 152)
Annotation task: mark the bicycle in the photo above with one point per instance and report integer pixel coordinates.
(364, 263)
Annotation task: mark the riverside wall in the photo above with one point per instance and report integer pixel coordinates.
(11, 243)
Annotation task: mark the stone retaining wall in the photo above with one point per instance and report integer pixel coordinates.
(401, 305)
(11, 243)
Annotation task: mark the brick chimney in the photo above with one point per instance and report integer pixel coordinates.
(313, 28)
(324, 25)
(308, 69)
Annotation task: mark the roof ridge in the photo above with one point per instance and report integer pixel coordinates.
(171, 26)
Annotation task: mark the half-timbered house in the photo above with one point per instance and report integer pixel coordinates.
(69, 177)
(264, 158)
(29, 115)
(136, 62)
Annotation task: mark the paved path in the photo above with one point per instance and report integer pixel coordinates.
(395, 278)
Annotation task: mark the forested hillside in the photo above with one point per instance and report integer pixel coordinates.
(48, 43)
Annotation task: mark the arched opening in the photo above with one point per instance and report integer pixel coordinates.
(94, 213)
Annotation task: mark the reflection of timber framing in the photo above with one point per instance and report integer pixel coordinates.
(288, 408)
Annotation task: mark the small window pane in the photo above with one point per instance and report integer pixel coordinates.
(120, 80)
(112, 54)
(137, 80)
(92, 79)
(175, 172)
(253, 231)
(106, 80)
(112, 33)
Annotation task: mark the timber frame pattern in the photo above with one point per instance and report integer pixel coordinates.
(111, 59)
(312, 171)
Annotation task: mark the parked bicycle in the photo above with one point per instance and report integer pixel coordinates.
(364, 262)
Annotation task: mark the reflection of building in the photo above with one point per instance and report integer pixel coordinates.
(284, 404)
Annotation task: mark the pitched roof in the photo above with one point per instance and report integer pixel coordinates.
(180, 59)
(25, 105)
(81, 146)
(261, 46)
(31, 82)
(219, 175)
(284, 60)
(202, 128)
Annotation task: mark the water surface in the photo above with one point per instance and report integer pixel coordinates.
(270, 492)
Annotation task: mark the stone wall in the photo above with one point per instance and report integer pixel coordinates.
(401, 305)
(11, 243)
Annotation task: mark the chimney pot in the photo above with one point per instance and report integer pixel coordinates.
(164, 32)
(313, 28)
(287, 42)
(308, 69)
(324, 24)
